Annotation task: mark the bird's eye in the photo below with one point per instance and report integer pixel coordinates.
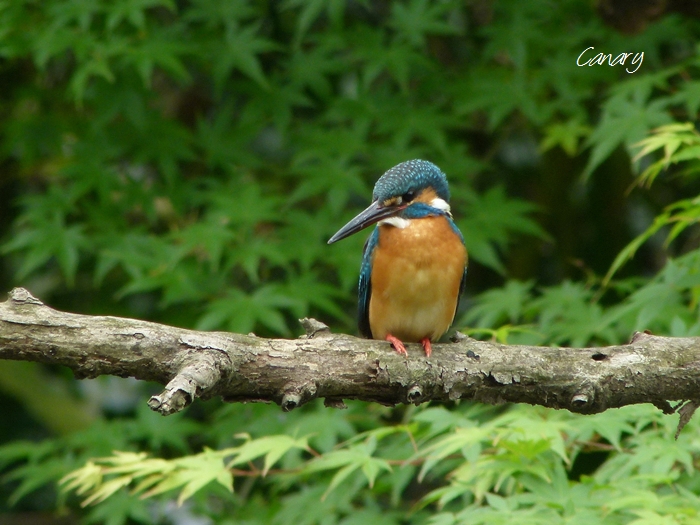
(408, 196)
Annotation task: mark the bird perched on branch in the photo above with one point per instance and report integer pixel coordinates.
(414, 264)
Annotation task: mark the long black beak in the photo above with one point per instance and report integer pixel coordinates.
(373, 214)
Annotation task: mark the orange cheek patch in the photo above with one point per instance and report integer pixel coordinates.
(427, 196)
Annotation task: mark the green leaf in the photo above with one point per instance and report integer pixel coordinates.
(193, 473)
(106, 489)
(164, 50)
(311, 11)
(98, 67)
(499, 305)
(415, 19)
(240, 312)
(627, 117)
(120, 509)
(569, 316)
(566, 135)
(462, 438)
(669, 138)
(373, 466)
(340, 476)
(134, 11)
(240, 51)
(272, 447)
(48, 236)
(83, 479)
(34, 475)
(491, 221)
(348, 461)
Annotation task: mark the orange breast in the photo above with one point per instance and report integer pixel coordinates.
(416, 273)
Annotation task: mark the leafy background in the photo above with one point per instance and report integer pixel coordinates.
(185, 162)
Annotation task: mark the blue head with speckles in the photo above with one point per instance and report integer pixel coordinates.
(412, 175)
(398, 193)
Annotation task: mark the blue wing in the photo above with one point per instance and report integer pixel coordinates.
(463, 282)
(461, 290)
(365, 286)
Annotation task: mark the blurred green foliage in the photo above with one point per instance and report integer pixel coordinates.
(185, 162)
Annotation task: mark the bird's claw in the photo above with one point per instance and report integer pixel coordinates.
(427, 346)
(397, 344)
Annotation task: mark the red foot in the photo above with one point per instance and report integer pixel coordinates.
(397, 344)
(426, 346)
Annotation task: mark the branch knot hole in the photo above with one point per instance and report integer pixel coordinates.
(415, 394)
(290, 401)
(579, 400)
(583, 399)
(296, 394)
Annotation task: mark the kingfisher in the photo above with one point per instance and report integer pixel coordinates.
(414, 263)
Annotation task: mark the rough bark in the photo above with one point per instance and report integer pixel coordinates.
(247, 368)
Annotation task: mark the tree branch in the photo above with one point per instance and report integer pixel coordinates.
(246, 368)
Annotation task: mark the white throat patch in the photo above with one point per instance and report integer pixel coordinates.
(396, 222)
